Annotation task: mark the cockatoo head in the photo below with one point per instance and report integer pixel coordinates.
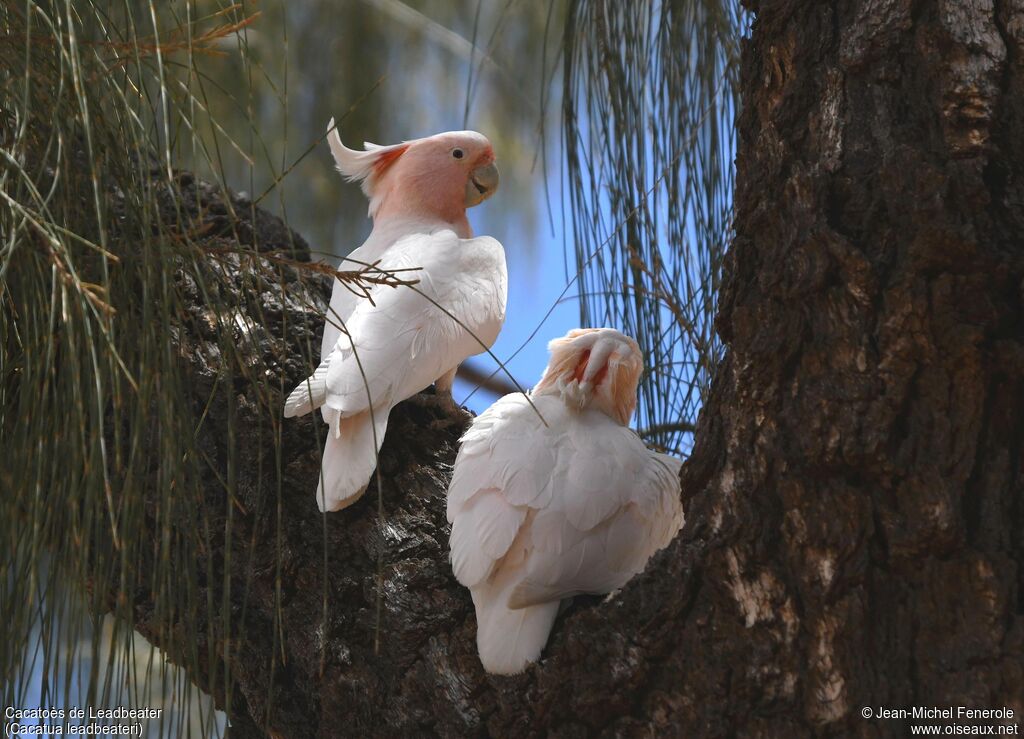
(597, 367)
(436, 177)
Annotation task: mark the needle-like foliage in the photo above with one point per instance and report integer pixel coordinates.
(649, 99)
(106, 250)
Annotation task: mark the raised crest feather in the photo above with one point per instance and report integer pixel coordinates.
(365, 167)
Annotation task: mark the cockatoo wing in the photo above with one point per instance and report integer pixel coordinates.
(344, 300)
(583, 496)
(493, 450)
(568, 560)
(409, 336)
(312, 392)
(504, 457)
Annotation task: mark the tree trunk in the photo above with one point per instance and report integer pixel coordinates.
(853, 500)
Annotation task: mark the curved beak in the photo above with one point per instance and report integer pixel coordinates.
(483, 181)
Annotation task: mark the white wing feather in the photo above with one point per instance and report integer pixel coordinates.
(343, 300)
(308, 395)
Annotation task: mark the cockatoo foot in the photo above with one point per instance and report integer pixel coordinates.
(442, 398)
(443, 384)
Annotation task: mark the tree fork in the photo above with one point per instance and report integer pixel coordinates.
(853, 500)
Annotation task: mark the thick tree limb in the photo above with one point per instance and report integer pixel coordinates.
(854, 496)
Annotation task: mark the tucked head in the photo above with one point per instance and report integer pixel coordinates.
(597, 367)
(436, 177)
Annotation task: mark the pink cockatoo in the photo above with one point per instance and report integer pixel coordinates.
(379, 351)
(541, 513)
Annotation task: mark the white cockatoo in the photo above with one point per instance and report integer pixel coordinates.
(541, 513)
(380, 350)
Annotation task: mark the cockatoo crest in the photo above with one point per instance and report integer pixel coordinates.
(594, 365)
(366, 167)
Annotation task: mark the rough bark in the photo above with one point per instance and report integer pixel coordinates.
(853, 499)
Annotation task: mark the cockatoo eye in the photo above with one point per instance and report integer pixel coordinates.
(458, 153)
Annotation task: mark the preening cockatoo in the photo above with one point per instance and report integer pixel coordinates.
(379, 351)
(542, 513)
